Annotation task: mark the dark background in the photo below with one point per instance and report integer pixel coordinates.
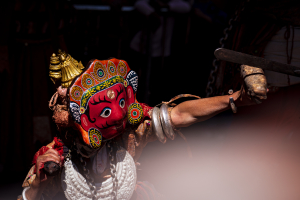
(32, 30)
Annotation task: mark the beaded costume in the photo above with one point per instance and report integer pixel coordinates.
(103, 129)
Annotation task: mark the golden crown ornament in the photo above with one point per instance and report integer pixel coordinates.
(63, 68)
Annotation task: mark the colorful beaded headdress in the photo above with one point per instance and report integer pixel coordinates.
(85, 84)
(101, 75)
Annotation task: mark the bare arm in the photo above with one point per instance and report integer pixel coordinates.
(190, 112)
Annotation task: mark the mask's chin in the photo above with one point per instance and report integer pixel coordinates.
(115, 131)
(85, 150)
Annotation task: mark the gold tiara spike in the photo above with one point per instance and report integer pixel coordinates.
(64, 68)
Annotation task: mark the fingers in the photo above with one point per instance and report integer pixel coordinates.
(50, 155)
(52, 151)
(53, 154)
(44, 159)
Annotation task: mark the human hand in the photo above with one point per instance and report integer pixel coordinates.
(255, 83)
(42, 178)
(242, 98)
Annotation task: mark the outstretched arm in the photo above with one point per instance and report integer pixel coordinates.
(190, 112)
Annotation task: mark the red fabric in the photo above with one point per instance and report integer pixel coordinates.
(58, 146)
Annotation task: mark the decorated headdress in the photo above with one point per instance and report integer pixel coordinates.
(63, 68)
(99, 75)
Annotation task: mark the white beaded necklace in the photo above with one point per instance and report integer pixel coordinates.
(75, 186)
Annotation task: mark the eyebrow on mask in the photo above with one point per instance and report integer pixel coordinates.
(119, 92)
(100, 101)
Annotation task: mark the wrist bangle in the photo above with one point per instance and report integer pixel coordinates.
(24, 196)
(166, 121)
(232, 105)
(23, 193)
(231, 102)
(156, 125)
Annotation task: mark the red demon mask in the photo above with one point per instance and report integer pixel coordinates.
(102, 100)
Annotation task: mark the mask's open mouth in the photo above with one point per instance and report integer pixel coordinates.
(119, 127)
(122, 125)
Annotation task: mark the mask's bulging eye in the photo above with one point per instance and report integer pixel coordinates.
(122, 103)
(105, 112)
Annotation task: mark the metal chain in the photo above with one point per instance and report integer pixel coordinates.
(86, 172)
(216, 62)
(112, 170)
(90, 180)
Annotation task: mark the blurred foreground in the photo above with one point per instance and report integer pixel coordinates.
(225, 165)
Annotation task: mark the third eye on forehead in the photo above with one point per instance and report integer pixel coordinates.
(111, 94)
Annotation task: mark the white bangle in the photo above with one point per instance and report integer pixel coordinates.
(24, 196)
(23, 193)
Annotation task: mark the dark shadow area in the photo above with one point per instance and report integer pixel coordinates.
(253, 154)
